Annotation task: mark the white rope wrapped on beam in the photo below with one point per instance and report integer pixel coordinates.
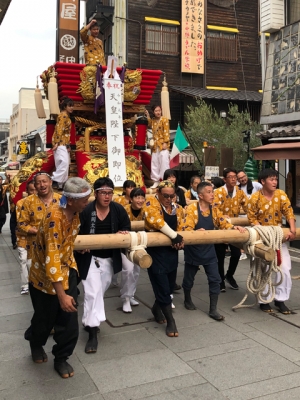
(259, 281)
(135, 245)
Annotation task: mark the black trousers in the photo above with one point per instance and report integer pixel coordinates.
(2, 222)
(163, 285)
(234, 259)
(48, 314)
(13, 226)
(212, 274)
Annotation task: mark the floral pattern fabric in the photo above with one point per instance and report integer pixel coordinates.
(53, 251)
(93, 48)
(21, 235)
(160, 133)
(154, 217)
(140, 217)
(61, 135)
(32, 212)
(269, 212)
(121, 200)
(191, 218)
(230, 206)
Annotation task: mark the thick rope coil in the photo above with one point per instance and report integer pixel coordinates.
(259, 280)
(134, 243)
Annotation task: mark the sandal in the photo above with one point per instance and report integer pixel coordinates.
(38, 354)
(282, 307)
(266, 308)
(64, 369)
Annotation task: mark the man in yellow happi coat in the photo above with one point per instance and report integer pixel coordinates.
(53, 278)
(21, 238)
(229, 199)
(267, 207)
(34, 209)
(93, 46)
(160, 158)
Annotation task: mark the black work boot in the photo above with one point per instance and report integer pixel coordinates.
(171, 329)
(188, 304)
(213, 313)
(157, 313)
(92, 343)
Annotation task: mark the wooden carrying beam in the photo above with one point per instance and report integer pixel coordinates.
(239, 221)
(142, 258)
(140, 225)
(121, 241)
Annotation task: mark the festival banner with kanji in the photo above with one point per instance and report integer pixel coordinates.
(114, 131)
(67, 40)
(192, 34)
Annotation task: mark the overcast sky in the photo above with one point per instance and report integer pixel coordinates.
(27, 37)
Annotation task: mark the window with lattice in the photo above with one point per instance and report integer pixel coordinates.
(293, 11)
(161, 39)
(221, 46)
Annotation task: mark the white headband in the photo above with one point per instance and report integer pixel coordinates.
(77, 195)
(42, 173)
(104, 188)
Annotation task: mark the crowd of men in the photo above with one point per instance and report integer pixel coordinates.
(48, 223)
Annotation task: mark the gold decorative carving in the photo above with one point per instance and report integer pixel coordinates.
(132, 82)
(99, 145)
(97, 167)
(45, 77)
(88, 82)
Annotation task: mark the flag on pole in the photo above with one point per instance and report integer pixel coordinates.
(180, 143)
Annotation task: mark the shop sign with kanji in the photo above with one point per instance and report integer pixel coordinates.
(192, 34)
(67, 46)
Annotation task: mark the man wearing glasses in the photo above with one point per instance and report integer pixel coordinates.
(96, 267)
(229, 199)
(164, 215)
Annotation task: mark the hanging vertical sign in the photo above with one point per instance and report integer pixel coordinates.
(192, 34)
(67, 28)
(114, 131)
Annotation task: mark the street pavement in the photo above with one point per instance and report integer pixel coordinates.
(251, 355)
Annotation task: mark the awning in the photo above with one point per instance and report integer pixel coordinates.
(277, 151)
(237, 95)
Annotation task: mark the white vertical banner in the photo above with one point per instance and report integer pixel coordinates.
(114, 131)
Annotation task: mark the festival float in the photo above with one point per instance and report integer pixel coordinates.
(107, 136)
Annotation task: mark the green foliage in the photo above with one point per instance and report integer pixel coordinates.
(203, 123)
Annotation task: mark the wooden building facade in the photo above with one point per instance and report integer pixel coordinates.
(232, 57)
(232, 69)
